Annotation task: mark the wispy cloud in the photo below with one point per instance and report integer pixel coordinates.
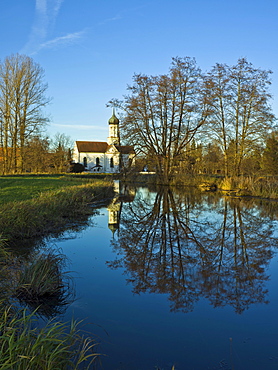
(46, 14)
(113, 19)
(41, 6)
(63, 40)
(124, 13)
(57, 7)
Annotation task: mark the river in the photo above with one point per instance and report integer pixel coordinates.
(181, 278)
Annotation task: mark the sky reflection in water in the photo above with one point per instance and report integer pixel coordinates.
(179, 278)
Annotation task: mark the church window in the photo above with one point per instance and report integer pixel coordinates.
(111, 162)
(85, 161)
(97, 161)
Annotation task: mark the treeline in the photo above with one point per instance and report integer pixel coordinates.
(183, 121)
(48, 155)
(209, 158)
(215, 122)
(24, 147)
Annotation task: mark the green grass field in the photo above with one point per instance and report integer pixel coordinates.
(21, 188)
(34, 206)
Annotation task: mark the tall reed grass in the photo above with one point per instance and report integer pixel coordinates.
(256, 186)
(42, 284)
(56, 346)
(5, 278)
(25, 344)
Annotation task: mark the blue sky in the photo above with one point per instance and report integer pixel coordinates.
(90, 49)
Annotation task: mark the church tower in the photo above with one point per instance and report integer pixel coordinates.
(114, 132)
(114, 215)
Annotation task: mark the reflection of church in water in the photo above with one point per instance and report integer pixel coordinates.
(124, 194)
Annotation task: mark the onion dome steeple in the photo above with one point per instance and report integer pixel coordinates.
(114, 120)
(114, 132)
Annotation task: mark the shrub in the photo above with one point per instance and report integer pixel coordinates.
(77, 168)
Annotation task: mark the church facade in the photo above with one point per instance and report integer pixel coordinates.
(105, 157)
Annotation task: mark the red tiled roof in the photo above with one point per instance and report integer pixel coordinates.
(101, 147)
(91, 146)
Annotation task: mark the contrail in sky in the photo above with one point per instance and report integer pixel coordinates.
(46, 14)
(63, 40)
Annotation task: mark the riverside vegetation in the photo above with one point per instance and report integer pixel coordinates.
(243, 186)
(37, 206)
(33, 207)
(50, 205)
(240, 186)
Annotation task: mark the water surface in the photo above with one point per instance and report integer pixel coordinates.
(176, 278)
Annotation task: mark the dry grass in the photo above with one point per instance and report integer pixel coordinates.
(51, 211)
(264, 187)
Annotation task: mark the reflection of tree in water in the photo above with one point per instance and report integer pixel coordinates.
(237, 251)
(179, 245)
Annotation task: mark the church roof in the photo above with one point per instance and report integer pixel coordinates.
(91, 146)
(101, 147)
(125, 149)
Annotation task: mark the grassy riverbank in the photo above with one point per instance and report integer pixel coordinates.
(25, 187)
(32, 207)
(241, 186)
(255, 186)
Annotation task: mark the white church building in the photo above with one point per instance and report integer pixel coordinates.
(107, 157)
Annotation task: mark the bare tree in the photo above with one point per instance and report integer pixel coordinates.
(38, 158)
(61, 148)
(187, 247)
(241, 116)
(163, 113)
(22, 98)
